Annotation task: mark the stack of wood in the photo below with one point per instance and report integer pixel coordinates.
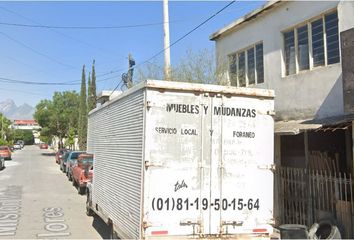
(322, 162)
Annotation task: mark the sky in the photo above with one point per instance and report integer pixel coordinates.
(57, 52)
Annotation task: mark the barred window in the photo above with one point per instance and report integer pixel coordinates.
(331, 21)
(246, 67)
(259, 63)
(241, 69)
(289, 43)
(317, 43)
(303, 48)
(233, 69)
(251, 74)
(319, 51)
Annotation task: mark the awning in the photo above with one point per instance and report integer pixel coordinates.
(294, 127)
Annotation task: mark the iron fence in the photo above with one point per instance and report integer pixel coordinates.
(309, 196)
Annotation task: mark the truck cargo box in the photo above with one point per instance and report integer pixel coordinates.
(184, 160)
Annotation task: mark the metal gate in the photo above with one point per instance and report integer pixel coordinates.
(309, 196)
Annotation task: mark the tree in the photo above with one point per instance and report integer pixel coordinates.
(92, 98)
(71, 139)
(25, 135)
(199, 67)
(82, 128)
(6, 133)
(151, 70)
(89, 99)
(56, 116)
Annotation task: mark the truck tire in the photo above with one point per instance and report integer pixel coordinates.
(80, 190)
(112, 233)
(89, 211)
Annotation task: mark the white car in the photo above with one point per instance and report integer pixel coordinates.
(17, 146)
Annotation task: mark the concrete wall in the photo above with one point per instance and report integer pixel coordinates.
(313, 93)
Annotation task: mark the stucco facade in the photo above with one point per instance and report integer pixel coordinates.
(315, 93)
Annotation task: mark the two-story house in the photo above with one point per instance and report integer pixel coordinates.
(305, 52)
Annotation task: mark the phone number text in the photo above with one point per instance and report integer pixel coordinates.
(181, 204)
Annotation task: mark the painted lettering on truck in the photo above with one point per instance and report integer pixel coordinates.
(180, 204)
(218, 110)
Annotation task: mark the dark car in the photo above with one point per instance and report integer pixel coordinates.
(63, 161)
(60, 153)
(71, 161)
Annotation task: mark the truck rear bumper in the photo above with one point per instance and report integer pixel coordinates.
(223, 237)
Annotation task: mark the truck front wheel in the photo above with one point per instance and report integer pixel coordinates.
(112, 233)
(89, 211)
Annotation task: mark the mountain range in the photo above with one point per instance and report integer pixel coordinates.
(12, 111)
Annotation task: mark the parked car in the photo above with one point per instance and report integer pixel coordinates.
(43, 146)
(17, 147)
(63, 161)
(71, 161)
(5, 152)
(82, 172)
(22, 143)
(2, 163)
(60, 153)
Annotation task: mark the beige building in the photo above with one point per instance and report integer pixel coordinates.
(305, 52)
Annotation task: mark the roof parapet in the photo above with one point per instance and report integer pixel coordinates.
(249, 16)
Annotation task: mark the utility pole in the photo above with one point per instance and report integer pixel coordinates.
(128, 77)
(166, 30)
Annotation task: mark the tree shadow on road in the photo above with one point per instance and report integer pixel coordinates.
(101, 227)
(48, 154)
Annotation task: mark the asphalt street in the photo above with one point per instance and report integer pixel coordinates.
(38, 202)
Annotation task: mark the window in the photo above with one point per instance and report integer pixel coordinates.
(251, 75)
(304, 50)
(289, 42)
(233, 70)
(259, 61)
(241, 69)
(246, 67)
(317, 43)
(331, 21)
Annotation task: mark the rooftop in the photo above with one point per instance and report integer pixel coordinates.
(25, 122)
(248, 17)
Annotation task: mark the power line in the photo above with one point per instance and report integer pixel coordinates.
(57, 32)
(116, 87)
(82, 27)
(77, 82)
(188, 33)
(36, 51)
(69, 83)
(181, 38)
(25, 92)
(9, 80)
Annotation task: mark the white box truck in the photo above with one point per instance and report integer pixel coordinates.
(182, 160)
